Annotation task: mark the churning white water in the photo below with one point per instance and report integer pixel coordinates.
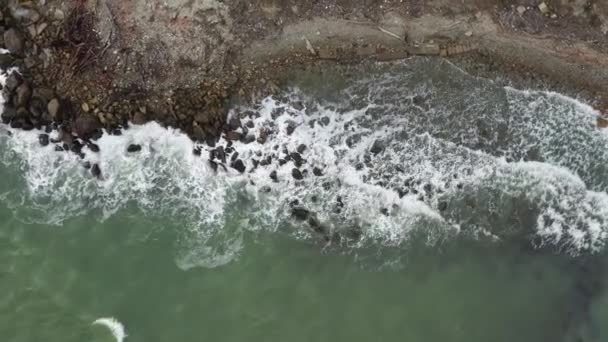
(398, 154)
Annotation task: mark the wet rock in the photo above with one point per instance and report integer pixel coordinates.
(234, 157)
(296, 174)
(87, 165)
(232, 135)
(265, 189)
(325, 121)
(384, 211)
(282, 162)
(13, 40)
(58, 148)
(250, 124)
(300, 213)
(96, 171)
(248, 139)
(22, 95)
(220, 154)
(234, 124)
(37, 107)
(133, 148)
(93, 147)
(301, 148)
(291, 127)
(196, 151)
(442, 206)
(277, 112)
(6, 61)
(85, 125)
(13, 81)
(273, 176)
(262, 136)
(8, 114)
(266, 161)
(43, 139)
(317, 172)
(139, 118)
(238, 165)
(76, 147)
(213, 165)
(297, 159)
(377, 147)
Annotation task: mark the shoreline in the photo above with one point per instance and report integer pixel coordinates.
(79, 94)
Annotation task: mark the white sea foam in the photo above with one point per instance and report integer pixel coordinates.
(426, 178)
(115, 327)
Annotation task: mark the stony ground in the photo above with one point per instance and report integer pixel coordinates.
(88, 64)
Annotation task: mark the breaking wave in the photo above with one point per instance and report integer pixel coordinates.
(401, 153)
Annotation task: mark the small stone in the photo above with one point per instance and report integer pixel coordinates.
(13, 41)
(296, 174)
(543, 8)
(13, 81)
(553, 16)
(232, 135)
(43, 139)
(325, 120)
(317, 172)
(273, 176)
(196, 151)
(96, 171)
(40, 28)
(291, 127)
(139, 118)
(377, 147)
(521, 9)
(300, 213)
(238, 165)
(442, 206)
(58, 15)
(133, 148)
(301, 148)
(85, 107)
(248, 139)
(468, 33)
(93, 147)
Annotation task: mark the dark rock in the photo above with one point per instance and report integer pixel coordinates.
(297, 159)
(250, 124)
(13, 40)
(86, 165)
(377, 147)
(58, 148)
(301, 148)
(262, 136)
(196, 151)
(325, 121)
(232, 135)
(8, 114)
(220, 154)
(402, 192)
(296, 174)
(234, 156)
(428, 188)
(248, 139)
(234, 124)
(384, 211)
(96, 171)
(317, 171)
(265, 189)
(76, 147)
(97, 134)
(13, 81)
(213, 165)
(43, 139)
(277, 112)
(139, 118)
(238, 165)
(85, 125)
(133, 148)
(282, 162)
(273, 176)
(22, 95)
(291, 127)
(300, 213)
(6, 61)
(442, 206)
(37, 107)
(297, 105)
(93, 147)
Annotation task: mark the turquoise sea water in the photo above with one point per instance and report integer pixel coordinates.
(507, 245)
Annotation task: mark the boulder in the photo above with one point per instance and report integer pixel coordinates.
(53, 109)
(317, 171)
(273, 176)
(377, 147)
(13, 40)
(93, 147)
(22, 95)
(13, 81)
(238, 165)
(96, 171)
(85, 125)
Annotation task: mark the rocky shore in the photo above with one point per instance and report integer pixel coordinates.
(86, 65)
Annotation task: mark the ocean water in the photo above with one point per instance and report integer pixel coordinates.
(426, 205)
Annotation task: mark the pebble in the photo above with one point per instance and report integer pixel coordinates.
(133, 148)
(296, 174)
(96, 171)
(238, 165)
(43, 139)
(301, 148)
(273, 176)
(93, 147)
(85, 107)
(317, 171)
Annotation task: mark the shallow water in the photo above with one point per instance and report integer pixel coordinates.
(448, 208)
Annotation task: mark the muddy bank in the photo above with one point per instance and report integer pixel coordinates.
(87, 65)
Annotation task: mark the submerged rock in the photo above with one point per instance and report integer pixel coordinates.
(377, 147)
(317, 171)
(96, 171)
(300, 213)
